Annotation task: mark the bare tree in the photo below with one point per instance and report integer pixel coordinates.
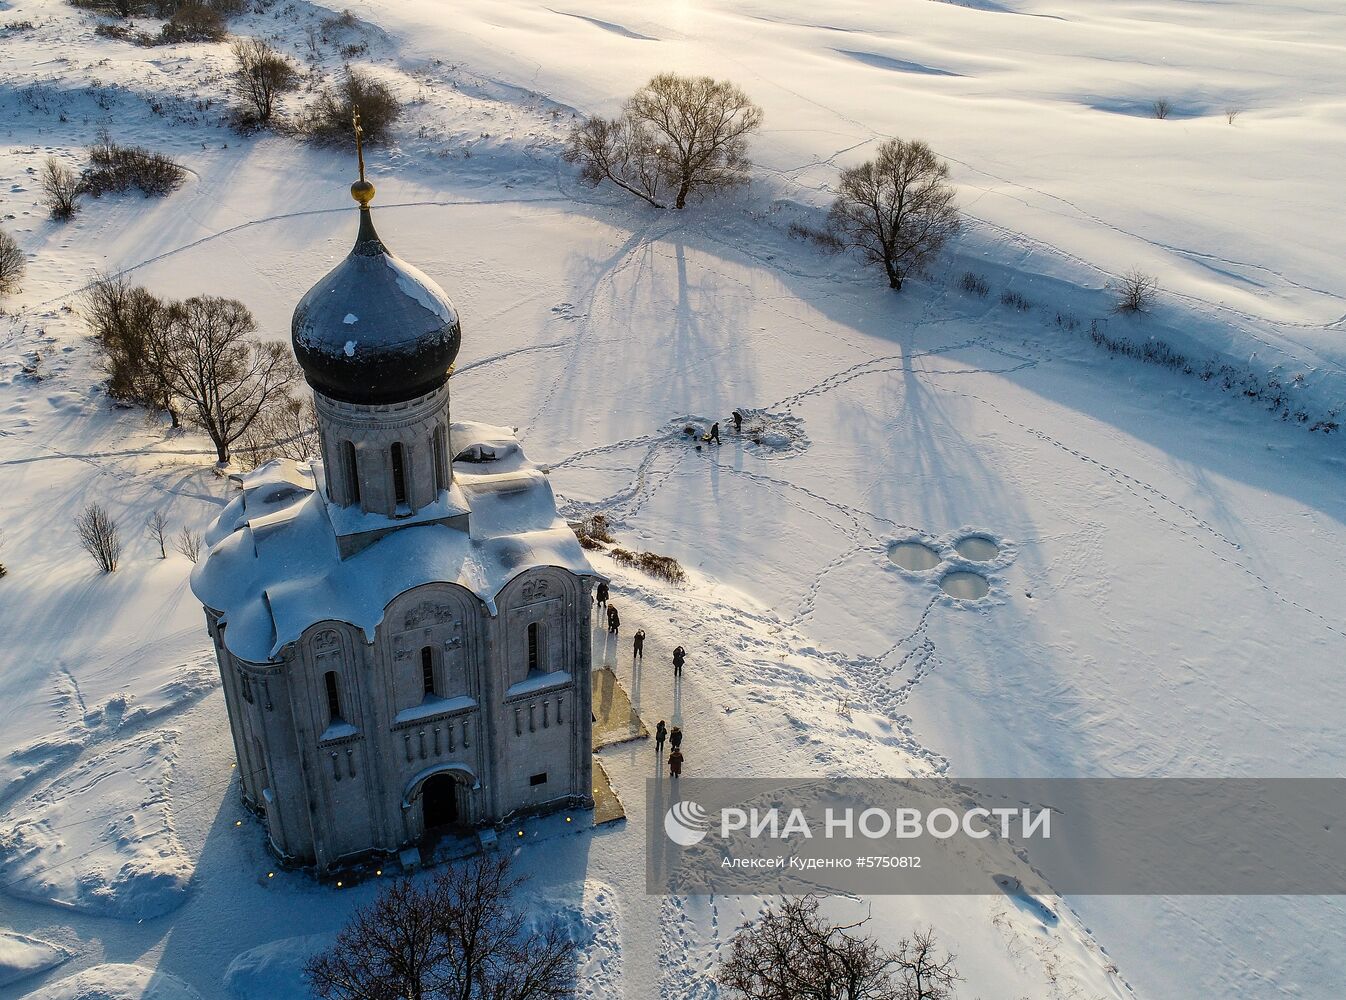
(100, 537)
(1230, 114)
(793, 952)
(3, 570)
(60, 184)
(922, 973)
(1135, 291)
(12, 264)
(129, 324)
(1162, 108)
(457, 936)
(287, 428)
(157, 526)
(896, 210)
(224, 377)
(676, 136)
(262, 75)
(188, 542)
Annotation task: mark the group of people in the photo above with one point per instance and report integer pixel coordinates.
(674, 738)
(712, 436)
(662, 732)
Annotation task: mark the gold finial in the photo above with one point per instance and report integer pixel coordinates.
(362, 191)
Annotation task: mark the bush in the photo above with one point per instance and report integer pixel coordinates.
(1162, 107)
(592, 531)
(1015, 301)
(974, 284)
(188, 542)
(329, 117)
(99, 536)
(115, 169)
(12, 264)
(195, 22)
(128, 324)
(1135, 291)
(662, 567)
(61, 189)
(286, 428)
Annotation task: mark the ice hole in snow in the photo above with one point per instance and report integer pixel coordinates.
(913, 555)
(964, 585)
(976, 548)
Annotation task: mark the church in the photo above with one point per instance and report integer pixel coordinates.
(403, 623)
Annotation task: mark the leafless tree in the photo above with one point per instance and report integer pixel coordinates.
(287, 428)
(157, 526)
(676, 136)
(129, 324)
(896, 210)
(1162, 107)
(1135, 291)
(457, 936)
(100, 537)
(262, 75)
(188, 542)
(3, 570)
(793, 952)
(922, 973)
(1232, 113)
(224, 377)
(12, 264)
(60, 184)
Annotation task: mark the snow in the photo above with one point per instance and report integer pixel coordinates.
(415, 285)
(118, 982)
(1166, 605)
(432, 706)
(22, 956)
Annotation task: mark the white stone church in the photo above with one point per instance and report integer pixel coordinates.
(403, 625)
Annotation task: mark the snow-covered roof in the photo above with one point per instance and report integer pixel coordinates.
(272, 567)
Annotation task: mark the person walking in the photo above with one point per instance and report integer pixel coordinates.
(675, 738)
(614, 620)
(675, 764)
(638, 650)
(601, 595)
(679, 655)
(660, 735)
(714, 436)
(738, 422)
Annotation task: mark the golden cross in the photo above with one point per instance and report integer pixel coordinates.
(359, 140)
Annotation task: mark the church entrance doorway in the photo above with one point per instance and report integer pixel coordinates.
(439, 801)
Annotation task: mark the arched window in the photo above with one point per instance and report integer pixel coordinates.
(428, 669)
(437, 446)
(534, 647)
(399, 474)
(333, 696)
(352, 472)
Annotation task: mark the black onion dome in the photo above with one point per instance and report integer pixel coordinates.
(375, 329)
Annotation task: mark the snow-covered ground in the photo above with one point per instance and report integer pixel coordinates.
(1167, 596)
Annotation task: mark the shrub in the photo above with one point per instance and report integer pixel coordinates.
(261, 76)
(329, 117)
(662, 567)
(286, 428)
(127, 322)
(99, 536)
(61, 189)
(1135, 291)
(1231, 113)
(12, 264)
(188, 542)
(974, 284)
(1162, 107)
(1015, 301)
(116, 169)
(195, 22)
(592, 531)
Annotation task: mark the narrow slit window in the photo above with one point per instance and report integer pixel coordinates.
(534, 642)
(352, 473)
(438, 448)
(428, 669)
(538, 779)
(399, 474)
(333, 696)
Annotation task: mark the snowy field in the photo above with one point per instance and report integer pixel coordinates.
(1166, 600)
